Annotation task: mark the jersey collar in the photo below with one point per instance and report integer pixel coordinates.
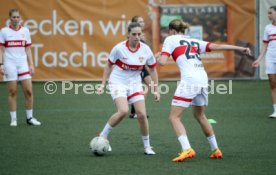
(14, 29)
(127, 45)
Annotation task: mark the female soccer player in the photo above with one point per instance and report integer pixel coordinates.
(269, 48)
(146, 78)
(126, 61)
(193, 86)
(16, 64)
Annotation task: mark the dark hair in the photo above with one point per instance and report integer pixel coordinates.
(13, 10)
(178, 25)
(273, 7)
(135, 18)
(132, 25)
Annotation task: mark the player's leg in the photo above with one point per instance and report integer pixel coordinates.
(132, 112)
(199, 114)
(199, 103)
(136, 97)
(122, 110)
(272, 83)
(11, 78)
(146, 78)
(208, 131)
(12, 89)
(270, 69)
(147, 81)
(119, 95)
(181, 101)
(28, 94)
(175, 119)
(26, 82)
(144, 126)
(141, 116)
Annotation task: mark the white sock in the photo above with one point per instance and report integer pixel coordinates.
(274, 107)
(146, 141)
(13, 115)
(213, 142)
(29, 113)
(107, 129)
(185, 144)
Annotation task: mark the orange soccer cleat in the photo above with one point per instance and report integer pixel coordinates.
(216, 154)
(185, 154)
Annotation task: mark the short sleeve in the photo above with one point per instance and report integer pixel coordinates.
(167, 48)
(113, 56)
(28, 38)
(2, 40)
(203, 46)
(151, 61)
(265, 37)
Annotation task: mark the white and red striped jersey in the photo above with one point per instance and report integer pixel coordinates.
(15, 42)
(270, 39)
(186, 51)
(128, 63)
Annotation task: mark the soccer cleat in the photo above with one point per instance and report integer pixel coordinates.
(148, 151)
(132, 116)
(33, 121)
(216, 154)
(185, 154)
(13, 123)
(273, 115)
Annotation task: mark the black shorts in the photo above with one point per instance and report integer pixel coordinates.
(144, 73)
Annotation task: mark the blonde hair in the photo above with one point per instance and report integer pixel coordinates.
(179, 25)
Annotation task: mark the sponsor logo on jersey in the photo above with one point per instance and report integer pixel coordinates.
(125, 66)
(19, 43)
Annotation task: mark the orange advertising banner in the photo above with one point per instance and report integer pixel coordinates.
(71, 40)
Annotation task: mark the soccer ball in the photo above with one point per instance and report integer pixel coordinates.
(99, 146)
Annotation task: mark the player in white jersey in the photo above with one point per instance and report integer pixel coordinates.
(269, 49)
(146, 78)
(16, 65)
(193, 87)
(126, 61)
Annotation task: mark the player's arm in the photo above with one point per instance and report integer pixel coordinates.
(155, 88)
(30, 59)
(1, 60)
(107, 70)
(256, 63)
(162, 59)
(213, 46)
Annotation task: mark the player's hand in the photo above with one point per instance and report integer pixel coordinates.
(157, 55)
(157, 96)
(247, 51)
(100, 89)
(32, 69)
(256, 63)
